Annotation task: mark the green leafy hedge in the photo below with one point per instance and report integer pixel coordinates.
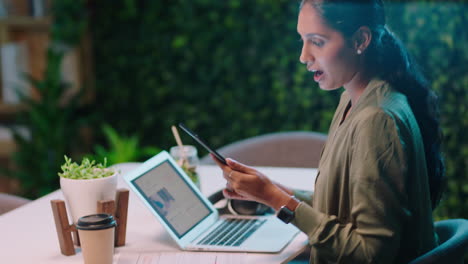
(230, 69)
(227, 68)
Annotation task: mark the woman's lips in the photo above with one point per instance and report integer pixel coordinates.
(318, 76)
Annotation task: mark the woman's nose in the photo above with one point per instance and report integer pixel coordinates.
(305, 56)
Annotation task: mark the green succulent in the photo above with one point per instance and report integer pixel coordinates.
(86, 170)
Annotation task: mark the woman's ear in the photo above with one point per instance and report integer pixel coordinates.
(361, 39)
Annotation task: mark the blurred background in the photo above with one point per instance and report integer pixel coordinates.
(109, 78)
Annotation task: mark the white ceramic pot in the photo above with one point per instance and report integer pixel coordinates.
(81, 196)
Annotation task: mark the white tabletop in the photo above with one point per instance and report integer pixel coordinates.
(28, 235)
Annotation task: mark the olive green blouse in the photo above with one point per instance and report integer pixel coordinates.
(371, 202)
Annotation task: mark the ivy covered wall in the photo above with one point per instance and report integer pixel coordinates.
(227, 68)
(230, 70)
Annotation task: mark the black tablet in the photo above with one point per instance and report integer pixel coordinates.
(203, 143)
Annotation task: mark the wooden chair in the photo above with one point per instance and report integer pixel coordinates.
(282, 149)
(9, 202)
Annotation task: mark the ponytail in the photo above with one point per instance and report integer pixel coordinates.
(392, 63)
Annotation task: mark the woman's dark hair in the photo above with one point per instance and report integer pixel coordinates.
(389, 59)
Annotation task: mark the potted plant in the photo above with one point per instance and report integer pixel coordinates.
(83, 185)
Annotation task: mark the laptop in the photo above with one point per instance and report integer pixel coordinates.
(193, 222)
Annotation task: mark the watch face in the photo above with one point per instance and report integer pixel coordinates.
(285, 215)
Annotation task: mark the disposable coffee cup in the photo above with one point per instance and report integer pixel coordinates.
(96, 234)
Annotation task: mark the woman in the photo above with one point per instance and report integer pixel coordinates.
(380, 172)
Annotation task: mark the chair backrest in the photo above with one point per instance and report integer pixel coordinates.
(9, 202)
(282, 149)
(453, 243)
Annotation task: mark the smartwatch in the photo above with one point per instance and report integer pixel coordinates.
(286, 212)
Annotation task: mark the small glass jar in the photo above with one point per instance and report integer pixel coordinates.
(187, 158)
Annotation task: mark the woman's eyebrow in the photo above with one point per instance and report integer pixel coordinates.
(311, 35)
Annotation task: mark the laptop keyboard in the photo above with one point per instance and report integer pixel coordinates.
(232, 232)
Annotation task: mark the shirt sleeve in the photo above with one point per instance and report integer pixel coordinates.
(305, 196)
(377, 199)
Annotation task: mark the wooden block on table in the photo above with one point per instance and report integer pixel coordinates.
(121, 215)
(106, 207)
(63, 227)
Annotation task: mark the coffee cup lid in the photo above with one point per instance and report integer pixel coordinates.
(96, 222)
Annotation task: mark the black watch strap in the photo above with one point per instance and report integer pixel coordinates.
(287, 211)
(285, 215)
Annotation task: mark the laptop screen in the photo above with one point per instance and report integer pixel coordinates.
(172, 198)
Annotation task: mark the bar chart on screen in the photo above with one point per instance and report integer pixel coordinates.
(181, 257)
